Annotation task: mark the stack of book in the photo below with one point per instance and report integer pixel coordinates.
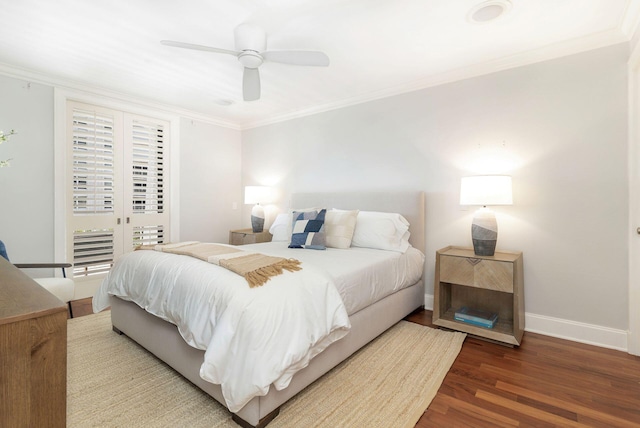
(476, 317)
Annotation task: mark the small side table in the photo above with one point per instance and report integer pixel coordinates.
(248, 236)
(494, 284)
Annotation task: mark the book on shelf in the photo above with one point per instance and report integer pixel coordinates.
(476, 317)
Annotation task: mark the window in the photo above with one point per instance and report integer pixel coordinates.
(118, 175)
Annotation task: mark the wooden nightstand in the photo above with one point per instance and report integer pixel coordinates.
(247, 236)
(492, 284)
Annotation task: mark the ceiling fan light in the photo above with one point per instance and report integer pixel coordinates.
(250, 59)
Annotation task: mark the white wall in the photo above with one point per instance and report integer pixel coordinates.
(209, 181)
(26, 187)
(558, 127)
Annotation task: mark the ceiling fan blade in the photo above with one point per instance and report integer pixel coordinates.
(314, 58)
(251, 84)
(197, 47)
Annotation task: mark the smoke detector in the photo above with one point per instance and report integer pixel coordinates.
(489, 11)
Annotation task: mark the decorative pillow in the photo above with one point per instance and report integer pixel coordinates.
(280, 228)
(383, 231)
(308, 230)
(291, 220)
(340, 225)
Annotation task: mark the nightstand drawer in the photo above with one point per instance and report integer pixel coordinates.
(477, 272)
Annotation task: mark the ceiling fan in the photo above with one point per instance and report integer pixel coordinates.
(251, 51)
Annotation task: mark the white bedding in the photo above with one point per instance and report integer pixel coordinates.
(267, 333)
(361, 275)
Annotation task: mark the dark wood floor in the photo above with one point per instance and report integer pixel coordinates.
(546, 382)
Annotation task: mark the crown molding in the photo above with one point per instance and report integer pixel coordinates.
(558, 50)
(69, 85)
(631, 19)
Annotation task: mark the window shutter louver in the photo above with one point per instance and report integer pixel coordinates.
(93, 163)
(148, 168)
(148, 235)
(92, 252)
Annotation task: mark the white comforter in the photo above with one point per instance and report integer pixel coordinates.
(362, 275)
(252, 337)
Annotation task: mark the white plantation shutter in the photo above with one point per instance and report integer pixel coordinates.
(118, 186)
(94, 170)
(146, 184)
(93, 163)
(148, 167)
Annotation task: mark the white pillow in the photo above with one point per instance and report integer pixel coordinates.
(339, 227)
(383, 231)
(280, 228)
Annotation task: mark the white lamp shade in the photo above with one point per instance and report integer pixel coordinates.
(486, 190)
(257, 195)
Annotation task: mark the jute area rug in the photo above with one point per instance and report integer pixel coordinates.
(113, 382)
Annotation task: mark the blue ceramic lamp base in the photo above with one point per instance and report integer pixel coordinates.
(484, 232)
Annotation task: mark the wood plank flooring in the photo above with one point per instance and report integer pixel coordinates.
(546, 382)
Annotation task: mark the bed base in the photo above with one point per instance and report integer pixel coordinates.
(162, 339)
(262, 423)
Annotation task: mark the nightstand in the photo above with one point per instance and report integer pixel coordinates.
(494, 283)
(248, 236)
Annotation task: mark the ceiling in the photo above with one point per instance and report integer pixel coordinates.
(377, 48)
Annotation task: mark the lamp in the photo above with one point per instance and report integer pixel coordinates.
(485, 190)
(256, 195)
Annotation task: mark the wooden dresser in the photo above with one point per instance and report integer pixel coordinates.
(33, 353)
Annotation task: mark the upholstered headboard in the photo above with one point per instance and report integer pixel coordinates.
(410, 204)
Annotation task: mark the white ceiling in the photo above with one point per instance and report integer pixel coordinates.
(377, 48)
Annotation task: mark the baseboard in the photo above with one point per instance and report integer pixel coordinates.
(577, 331)
(590, 334)
(428, 302)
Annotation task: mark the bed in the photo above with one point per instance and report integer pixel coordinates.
(366, 320)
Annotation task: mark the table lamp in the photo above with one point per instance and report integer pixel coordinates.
(485, 190)
(257, 195)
